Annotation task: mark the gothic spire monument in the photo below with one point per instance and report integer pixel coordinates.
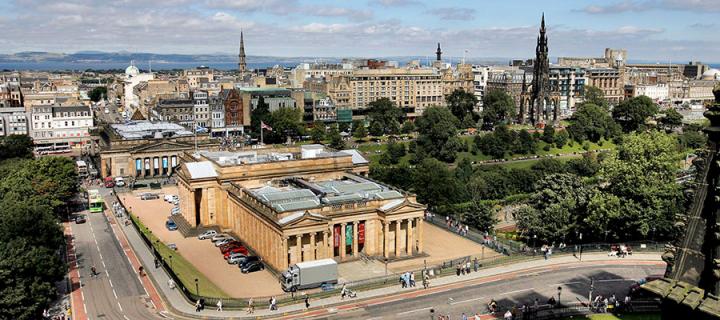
(242, 64)
(691, 286)
(541, 97)
(438, 53)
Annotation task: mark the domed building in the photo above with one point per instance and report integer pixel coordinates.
(132, 70)
(712, 74)
(133, 77)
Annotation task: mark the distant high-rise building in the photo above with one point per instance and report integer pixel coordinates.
(242, 64)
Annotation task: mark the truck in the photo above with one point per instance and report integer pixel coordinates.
(307, 275)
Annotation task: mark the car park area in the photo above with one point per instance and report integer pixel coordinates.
(203, 254)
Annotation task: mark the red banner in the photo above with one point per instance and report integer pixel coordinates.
(361, 233)
(336, 236)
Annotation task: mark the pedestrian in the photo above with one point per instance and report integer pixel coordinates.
(508, 315)
(93, 272)
(628, 304)
(412, 279)
(475, 264)
(157, 263)
(343, 292)
(171, 284)
(197, 306)
(467, 267)
(140, 271)
(219, 305)
(307, 301)
(426, 281)
(464, 316)
(457, 271)
(273, 301)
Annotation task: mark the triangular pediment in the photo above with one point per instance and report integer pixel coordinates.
(307, 219)
(161, 146)
(401, 207)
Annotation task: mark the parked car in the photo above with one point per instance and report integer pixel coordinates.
(149, 196)
(221, 236)
(237, 249)
(235, 258)
(170, 225)
(119, 181)
(207, 234)
(252, 267)
(175, 211)
(226, 242)
(226, 247)
(247, 259)
(109, 182)
(169, 197)
(81, 218)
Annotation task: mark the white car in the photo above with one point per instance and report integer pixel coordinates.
(221, 236)
(235, 258)
(170, 197)
(223, 241)
(119, 182)
(207, 234)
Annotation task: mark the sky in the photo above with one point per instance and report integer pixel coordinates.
(655, 30)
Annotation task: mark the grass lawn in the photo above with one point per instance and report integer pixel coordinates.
(182, 268)
(606, 316)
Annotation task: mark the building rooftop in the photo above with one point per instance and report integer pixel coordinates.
(295, 194)
(146, 129)
(229, 158)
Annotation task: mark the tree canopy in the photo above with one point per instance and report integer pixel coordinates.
(461, 103)
(16, 146)
(592, 122)
(261, 113)
(498, 107)
(437, 129)
(672, 119)
(632, 113)
(285, 122)
(594, 95)
(384, 117)
(97, 93)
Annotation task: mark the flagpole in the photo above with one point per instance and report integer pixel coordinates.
(261, 134)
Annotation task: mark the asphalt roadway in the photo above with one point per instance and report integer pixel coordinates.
(116, 292)
(472, 299)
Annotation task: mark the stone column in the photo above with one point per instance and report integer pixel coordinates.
(355, 239)
(298, 248)
(342, 240)
(284, 261)
(386, 238)
(419, 227)
(312, 247)
(327, 248)
(409, 244)
(397, 237)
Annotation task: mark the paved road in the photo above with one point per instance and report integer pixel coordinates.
(116, 292)
(473, 298)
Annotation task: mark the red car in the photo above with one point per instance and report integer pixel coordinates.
(109, 182)
(238, 249)
(224, 247)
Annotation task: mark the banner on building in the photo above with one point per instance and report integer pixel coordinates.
(165, 162)
(336, 236)
(138, 165)
(361, 233)
(348, 235)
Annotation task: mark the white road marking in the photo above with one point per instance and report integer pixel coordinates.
(85, 307)
(114, 293)
(103, 263)
(615, 280)
(111, 285)
(516, 291)
(82, 295)
(126, 318)
(566, 283)
(107, 274)
(119, 306)
(413, 311)
(463, 301)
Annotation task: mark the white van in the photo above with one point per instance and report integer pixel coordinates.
(119, 182)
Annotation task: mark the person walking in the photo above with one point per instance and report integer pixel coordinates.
(426, 281)
(251, 306)
(412, 279)
(273, 301)
(343, 292)
(475, 265)
(467, 267)
(307, 301)
(219, 305)
(457, 271)
(197, 306)
(93, 272)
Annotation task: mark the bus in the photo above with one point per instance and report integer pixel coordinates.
(95, 201)
(82, 168)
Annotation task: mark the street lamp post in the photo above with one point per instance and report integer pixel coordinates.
(559, 291)
(652, 235)
(581, 247)
(534, 239)
(386, 261)
(197, 287)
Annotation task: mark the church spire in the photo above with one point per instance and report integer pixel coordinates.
(438, 53)
(242, 64)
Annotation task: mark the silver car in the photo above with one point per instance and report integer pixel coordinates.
(221, 236)
(207, 234)
(235, 258)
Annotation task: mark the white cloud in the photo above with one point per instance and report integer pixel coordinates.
(702, 6)
(453, 13)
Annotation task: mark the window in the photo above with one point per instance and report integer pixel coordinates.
(66, 123)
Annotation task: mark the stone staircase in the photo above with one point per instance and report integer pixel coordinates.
(185, 228)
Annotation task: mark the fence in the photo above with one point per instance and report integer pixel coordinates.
(444, 268)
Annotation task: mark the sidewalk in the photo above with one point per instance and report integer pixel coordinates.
(179, 306)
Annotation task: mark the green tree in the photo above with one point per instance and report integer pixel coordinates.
(399, 175)
(549, 166)
(555, 209)
(561, 139)
(384, 117)
(359, 130)
(672, 119)
(461, 103)
(438, 138)
(498, 107)
(641, 173)
(317, 133)
(592, 122)
(594, 95)
(480, 215)
(97, 93)
(464, 171)
(261, 113)
(407, 127)
(434, 183)
(587, 166)
(526, 143)
(336, 140)
(632, 113)
(549, 134)
(16, 146)
(693, 139)
(395, 151)
(285, 122)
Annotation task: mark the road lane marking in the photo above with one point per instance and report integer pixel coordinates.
(119, 306)
(103, 263)
(114, 293)
(413, 311)
(464, 301)
(517, 291)
(107, 274)
(111, 285)
(567, 283)
(85, 308)
(615, 280)
(126, 318)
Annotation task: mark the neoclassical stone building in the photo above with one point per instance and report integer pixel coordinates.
(299, 204)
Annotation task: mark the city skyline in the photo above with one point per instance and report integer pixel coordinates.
(661, 30)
